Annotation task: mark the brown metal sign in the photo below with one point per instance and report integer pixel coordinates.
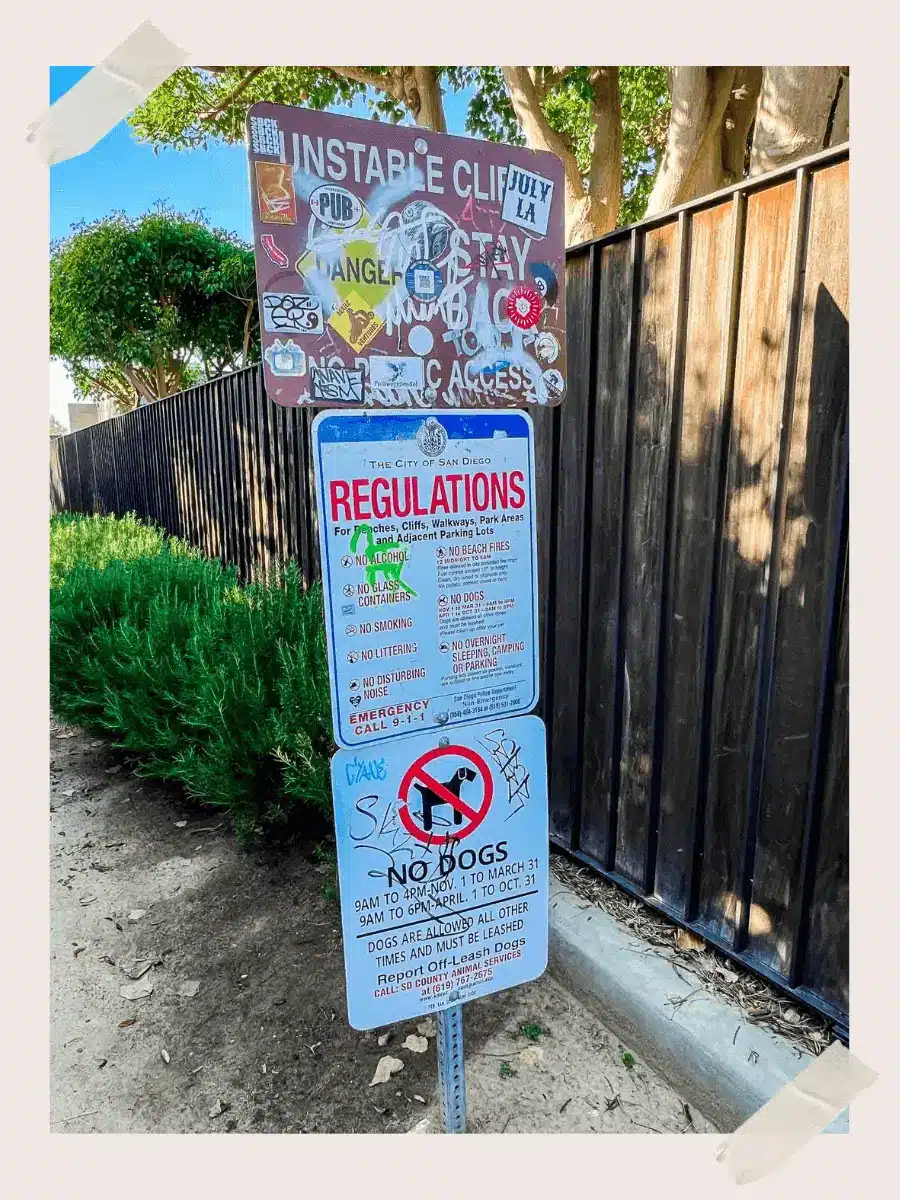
(402, 268)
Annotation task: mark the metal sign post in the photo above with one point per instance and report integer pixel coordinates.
(451, 1069)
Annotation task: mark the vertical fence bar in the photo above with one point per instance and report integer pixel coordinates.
(621, 703)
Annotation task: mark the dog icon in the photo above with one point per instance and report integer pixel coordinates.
(430, 799)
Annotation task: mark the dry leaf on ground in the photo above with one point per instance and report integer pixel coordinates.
(416, 1043)
(136, 991)
(531, 1056)
(387, 1067)
(685, 940)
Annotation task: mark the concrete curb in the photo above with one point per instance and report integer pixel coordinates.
(703, 1047)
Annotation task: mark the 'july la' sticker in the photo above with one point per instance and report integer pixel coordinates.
(527, 199)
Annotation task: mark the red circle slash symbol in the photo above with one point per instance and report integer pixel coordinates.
(523, 306)
(424, 777)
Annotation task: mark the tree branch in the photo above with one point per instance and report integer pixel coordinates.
(110, 391)
(233, 95)
(245, 344)
(595, 211)
(550, 78)
(136, 378)
(605, 173)
(431, 102)
(692, 164)
(392, 83)
(537, 130)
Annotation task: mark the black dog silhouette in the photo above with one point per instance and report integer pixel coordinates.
(431, 798)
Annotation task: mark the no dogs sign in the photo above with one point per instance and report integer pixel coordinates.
(443, 859)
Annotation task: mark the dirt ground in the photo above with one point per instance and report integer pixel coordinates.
(244, 1025)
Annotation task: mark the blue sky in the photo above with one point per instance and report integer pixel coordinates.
(120, 173)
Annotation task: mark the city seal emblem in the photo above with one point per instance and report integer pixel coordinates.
(431, 438)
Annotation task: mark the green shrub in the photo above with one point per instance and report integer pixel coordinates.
(96, 541)
(221, 688)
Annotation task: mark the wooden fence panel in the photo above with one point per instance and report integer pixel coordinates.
(753, 464)
(565, 679)
(692, 520)
(823, 972)
(809, 548)
(645, 522)
(716, 243)
(618, 280)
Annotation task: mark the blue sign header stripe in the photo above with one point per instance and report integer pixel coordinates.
(391, 427)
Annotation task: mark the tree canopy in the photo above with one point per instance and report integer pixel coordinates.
(141, 308)
(632, 140)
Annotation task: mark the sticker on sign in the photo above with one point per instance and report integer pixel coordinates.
(429, 563)
(421, 252)
(443, 857)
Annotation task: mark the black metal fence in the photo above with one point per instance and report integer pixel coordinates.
(693, 544)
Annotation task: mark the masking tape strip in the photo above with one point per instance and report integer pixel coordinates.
(106, 94)
(795, 1114)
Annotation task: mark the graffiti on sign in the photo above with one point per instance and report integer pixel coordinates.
(443, 862)
(438, 251)
(429, 565)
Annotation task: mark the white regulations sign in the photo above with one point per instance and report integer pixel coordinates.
(429, 559)
(443, 862)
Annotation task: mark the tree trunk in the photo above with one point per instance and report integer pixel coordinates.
(431, 100)
(840, 126)
(795, 114)
(709, 111)
(138, 383)
(740, 113)
(595, 211)
(598, 212)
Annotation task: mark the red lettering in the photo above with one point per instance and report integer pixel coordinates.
(340, 495)
(417, 507)
(361, 498)
(481, 491)
(439, 499)
(498, 490)
(456, 480)
(404, 509)
(517, 492)
(381, 509)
